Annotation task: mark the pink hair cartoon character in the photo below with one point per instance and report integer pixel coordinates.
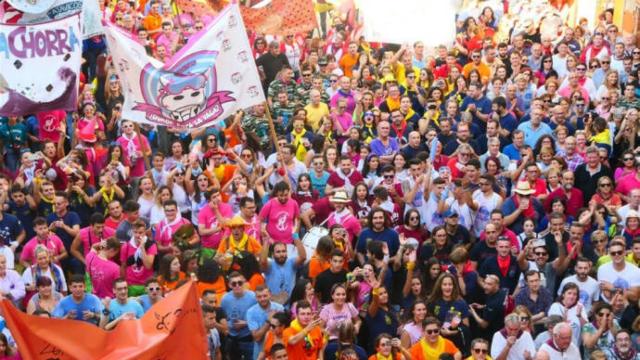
(183, 95)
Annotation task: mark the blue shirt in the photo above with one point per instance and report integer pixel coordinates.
(320, 183)
(508, 122)
(145, 302)
(10, 228)
(279, 278)
(532, 135)
(378, 148)
(116, 309)
(257, 317)
(236, 309)
(511, 152)
(70, 219)
(89, 302)
(483, 105)
(388, 236)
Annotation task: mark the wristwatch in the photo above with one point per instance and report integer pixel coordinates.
(105, 312)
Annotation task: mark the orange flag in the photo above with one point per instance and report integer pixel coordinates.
(281, 17)
(171, 329)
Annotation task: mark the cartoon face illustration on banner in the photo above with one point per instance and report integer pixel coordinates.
(184, 95)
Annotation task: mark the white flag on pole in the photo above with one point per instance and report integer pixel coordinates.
(210, 78)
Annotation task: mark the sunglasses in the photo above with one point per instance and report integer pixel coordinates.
(481, 351)
(154, 289)
(389, 176)
(604, 313)
(616, 253)
(605, 62)
(605, 185)
(432, 331)
(598, 241)
(414, 218)
(548, 61)
(524, 318)
(236, 283)
(540, 253)
(211, 139)
(273, 326)
(581, 69)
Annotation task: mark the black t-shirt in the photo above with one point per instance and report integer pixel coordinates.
(493, 312)
(271, 65)
(481, 251)
(325, 281)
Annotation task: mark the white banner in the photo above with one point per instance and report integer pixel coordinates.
(39, 66)
(408, 21)
(210, 78)
(43, 11)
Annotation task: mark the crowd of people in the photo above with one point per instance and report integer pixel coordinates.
(483, 202)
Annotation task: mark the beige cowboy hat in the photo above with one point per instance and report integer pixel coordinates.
(523, 188)
(340, 197)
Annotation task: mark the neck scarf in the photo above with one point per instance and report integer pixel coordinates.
(382, 357)
(108, 198)
(237, 247)
(630, 355)
(430, 352)
(347, 183)
(504, 264)
(529, 212)
(36, 272)
(50, 202)
(137, 256)
(167, 227)
(339, 217)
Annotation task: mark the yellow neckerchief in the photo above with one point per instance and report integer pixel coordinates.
(392, 104)
(107, 198)
(219, 172)
(432, 352)
(238, 246)
(297, 142)
(50, 202)
(295, 325)
(382, 357)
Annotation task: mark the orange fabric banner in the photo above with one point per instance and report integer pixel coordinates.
(281, 17)
(277, 17)
(171, 329)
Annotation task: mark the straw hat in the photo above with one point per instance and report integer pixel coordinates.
(340, 197)
(524, 188)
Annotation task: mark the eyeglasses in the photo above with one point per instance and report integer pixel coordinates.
(481, 351)
(236, 283)
(605, 185)
(154, 288)
(616, 253)
(431, 331)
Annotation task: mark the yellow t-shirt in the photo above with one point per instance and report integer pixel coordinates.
(315, 115)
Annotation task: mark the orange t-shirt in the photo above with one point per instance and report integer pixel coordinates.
(316, 266)
(168, 286)
(374, 357)
(152, 22)
(347, 62)
(432, 353)
(218, 286)
(301, 350)
(269, 340)
(256, 279)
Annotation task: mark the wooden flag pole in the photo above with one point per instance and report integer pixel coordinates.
(272, 128)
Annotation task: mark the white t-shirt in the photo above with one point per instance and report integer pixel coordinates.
(573, 317)
(627, 278)
(589, 290)
(485, 206)
(465, 215)
(524, 342)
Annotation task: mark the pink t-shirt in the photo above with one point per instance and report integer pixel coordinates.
(164, 232)
(350, 223)
(88, 237)
(332, 318)
(103, 273)
(48, 124)
(53, 243)
(129, 147)
(280, 219)
(207, 217)
(627, 183)
(136, 274)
